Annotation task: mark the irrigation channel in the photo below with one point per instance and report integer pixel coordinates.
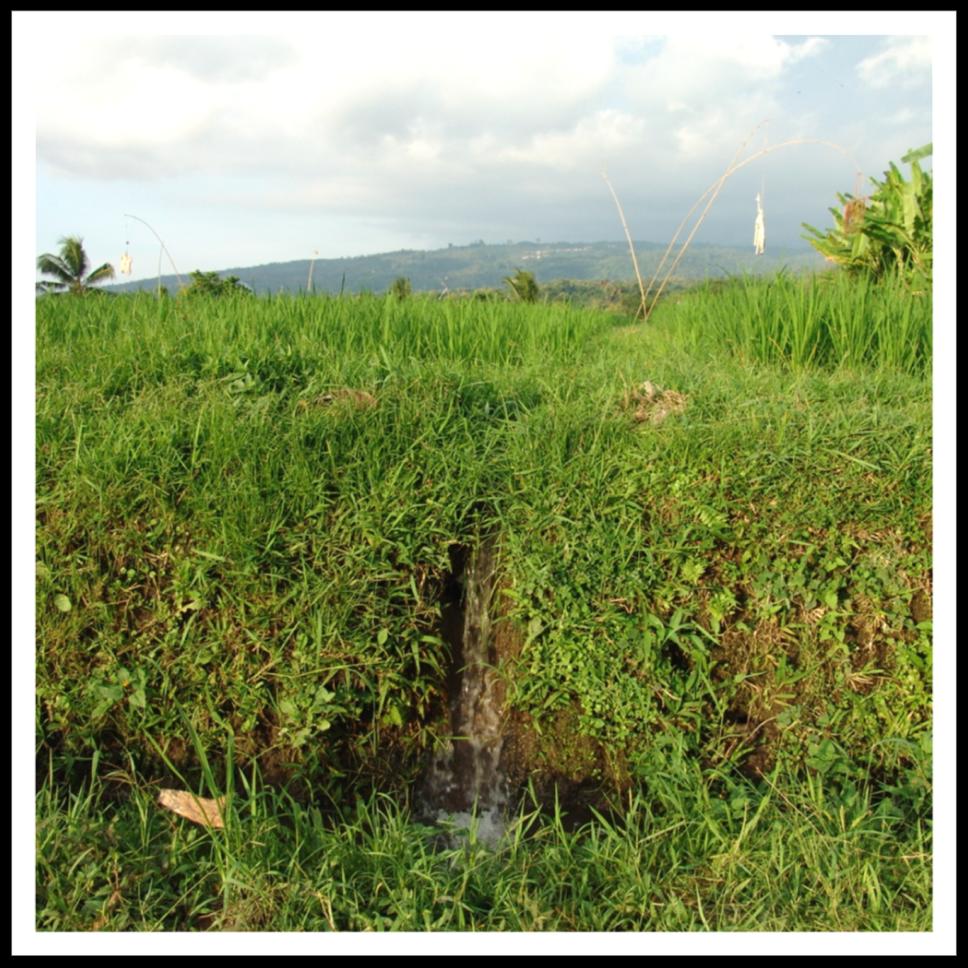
(465, 778)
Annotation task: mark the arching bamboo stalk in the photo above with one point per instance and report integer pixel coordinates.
(713, 191)
(181, 283)
(646, 307)
(717, 185)
(628, 236)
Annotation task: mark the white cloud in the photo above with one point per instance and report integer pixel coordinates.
(703, 67)
(587, 144)
(705, 95)
(423, 119)
(905, 62)
(407, 93)
(460, 71)
(809, 48)
(901, 116)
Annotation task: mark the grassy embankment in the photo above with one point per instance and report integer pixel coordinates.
(715, 603)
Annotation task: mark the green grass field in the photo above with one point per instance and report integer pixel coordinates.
(714, 545)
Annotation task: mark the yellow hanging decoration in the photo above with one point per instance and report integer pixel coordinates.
(126, 259)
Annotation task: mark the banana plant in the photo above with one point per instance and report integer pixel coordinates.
(889, 230)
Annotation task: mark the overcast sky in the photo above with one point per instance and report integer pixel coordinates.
(349, 134)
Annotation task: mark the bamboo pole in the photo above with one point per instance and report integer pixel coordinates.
(635, 262)
(645, 307)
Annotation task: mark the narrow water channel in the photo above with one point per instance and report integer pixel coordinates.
(464, 777)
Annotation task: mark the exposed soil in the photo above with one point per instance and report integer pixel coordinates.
(752, 658)
(560, 765)
(651, 404)
(921, 604)
(557, 761)
(552, 764)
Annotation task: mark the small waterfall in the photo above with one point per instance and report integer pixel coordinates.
(465, 774)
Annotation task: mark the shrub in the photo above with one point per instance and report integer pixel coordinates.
(401, 287)
(887, 231)
(212, 284)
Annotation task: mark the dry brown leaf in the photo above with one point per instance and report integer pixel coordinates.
(197, 809)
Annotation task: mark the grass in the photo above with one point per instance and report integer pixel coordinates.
(808, 857)
(828, 320)
(247, 514)
(226, 494)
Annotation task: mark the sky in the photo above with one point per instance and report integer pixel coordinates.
(241, 139)
(344, 134)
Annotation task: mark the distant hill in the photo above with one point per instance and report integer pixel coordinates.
(481, 265)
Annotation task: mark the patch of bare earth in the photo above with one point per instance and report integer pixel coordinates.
(559, 762)
(752, 658)
(649, 403)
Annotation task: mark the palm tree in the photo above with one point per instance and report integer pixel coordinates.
(523, 285)
(70, 269)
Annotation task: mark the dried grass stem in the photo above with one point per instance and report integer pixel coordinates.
(646, 307)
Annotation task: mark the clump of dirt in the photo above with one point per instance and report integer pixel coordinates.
(651, 404)
(871, 648)
(921, 604)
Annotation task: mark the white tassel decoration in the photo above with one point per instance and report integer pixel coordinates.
(759, 229)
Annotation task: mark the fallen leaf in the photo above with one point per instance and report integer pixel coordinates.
(197, 809)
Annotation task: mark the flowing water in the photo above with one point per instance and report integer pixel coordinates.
(465, 778)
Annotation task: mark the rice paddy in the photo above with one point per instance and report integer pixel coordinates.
(713, 601)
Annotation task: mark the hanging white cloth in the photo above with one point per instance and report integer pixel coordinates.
(759, 229)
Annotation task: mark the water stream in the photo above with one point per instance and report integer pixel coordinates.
(465, 779)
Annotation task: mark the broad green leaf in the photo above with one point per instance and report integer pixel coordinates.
(910, 207)
(62, 603)
(916, 154)
(323, 696)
